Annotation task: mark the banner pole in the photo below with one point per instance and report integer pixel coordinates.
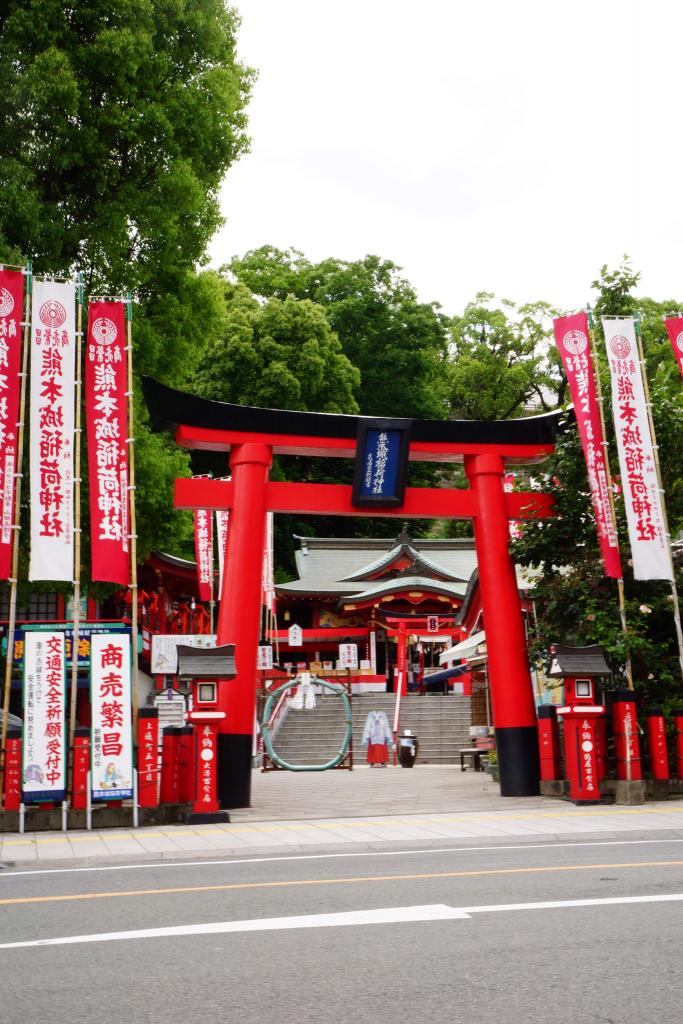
(132, 519)
(16, 525)
(77, 525)
(610, 491)
(660, 482)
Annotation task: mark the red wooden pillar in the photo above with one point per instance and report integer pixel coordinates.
(512, 696)
(678, 722)
(549, 743)
(187, 766)
(239, 619)
(79, 785)
(12, 794)
(656, 737)
(168, 793)
(148, 757)
(626, 739)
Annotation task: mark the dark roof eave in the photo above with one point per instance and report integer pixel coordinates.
(169, 408)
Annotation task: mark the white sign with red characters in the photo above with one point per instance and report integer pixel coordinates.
(111, 762)
(44, 745)
(106, 410)
(203, 546)
(222, 518)
(642, 498)
(11, 307)
(53, 345)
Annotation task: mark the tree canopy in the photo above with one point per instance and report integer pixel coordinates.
(120, 120)
(501, 361)
(397, 343)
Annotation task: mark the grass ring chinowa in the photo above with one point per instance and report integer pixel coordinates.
(268, 742)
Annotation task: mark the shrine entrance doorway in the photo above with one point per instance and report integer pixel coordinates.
(381, 450)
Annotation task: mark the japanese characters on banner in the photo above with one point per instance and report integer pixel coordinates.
(268, 566)
(222, 516)
(206, 768)
(203, 546)
(110, 697)
(264, 657)
(44, 746)
(11, 309)
(674, 328)
(53, 345)
(571, 336)
(348, 656)
(642, 498)
(107, 416)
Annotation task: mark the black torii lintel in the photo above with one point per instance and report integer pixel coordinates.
(170, 409)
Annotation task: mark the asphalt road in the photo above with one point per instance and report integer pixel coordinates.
(553, 932)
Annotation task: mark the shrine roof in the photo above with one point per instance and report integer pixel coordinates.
(408, 583)
(331, 565)
(404, 549)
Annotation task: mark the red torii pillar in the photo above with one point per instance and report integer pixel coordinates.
(512, 697)
(239, 618)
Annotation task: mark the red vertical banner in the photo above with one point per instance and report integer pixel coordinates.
(674, 328)
(203, 546)
(107, 418)
(571, 337)
(11, 308)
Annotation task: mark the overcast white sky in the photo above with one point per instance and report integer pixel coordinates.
(512, 147)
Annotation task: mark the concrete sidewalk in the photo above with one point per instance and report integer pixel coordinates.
(366, 808)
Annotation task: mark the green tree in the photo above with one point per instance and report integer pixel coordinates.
(278, 354)
(120, 120)
(501, 361)
(397, 343)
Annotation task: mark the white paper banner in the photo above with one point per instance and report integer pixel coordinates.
(268, 567)
(111, 759)
(642, 498)
(44, 746)
(53, 344)
(348, 655)
(222, 537)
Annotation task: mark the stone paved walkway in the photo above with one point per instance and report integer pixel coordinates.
(368, 807)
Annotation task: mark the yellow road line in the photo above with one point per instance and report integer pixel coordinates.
(337, 881)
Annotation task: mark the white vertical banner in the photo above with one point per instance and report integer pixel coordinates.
(53, 347)
(110, 696)
(222, 516)
(268, 566)
(348, 656)
(640, 483)
(44, 741)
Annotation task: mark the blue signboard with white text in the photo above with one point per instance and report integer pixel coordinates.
(381, 462)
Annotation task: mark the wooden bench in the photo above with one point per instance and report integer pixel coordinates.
(475, 754)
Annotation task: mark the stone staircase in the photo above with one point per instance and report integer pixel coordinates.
(440, 723)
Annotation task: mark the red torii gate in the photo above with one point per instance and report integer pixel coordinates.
(252, 436)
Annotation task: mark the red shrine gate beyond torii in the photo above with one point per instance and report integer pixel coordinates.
(381, 450)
